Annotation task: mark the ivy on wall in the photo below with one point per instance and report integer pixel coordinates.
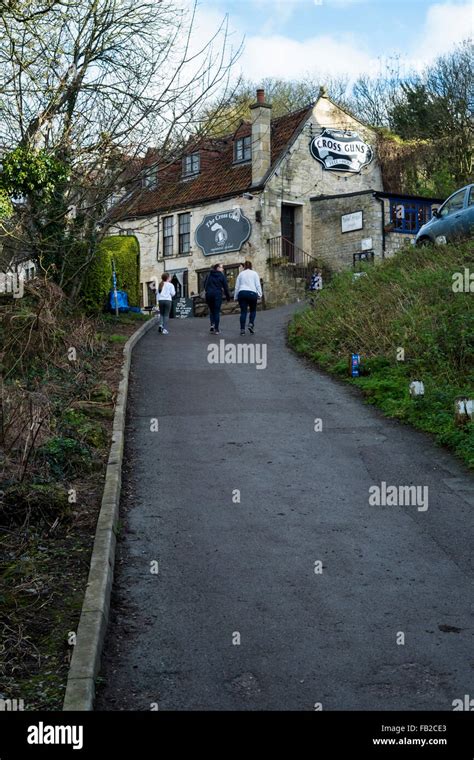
(124, 250)
(416, 167)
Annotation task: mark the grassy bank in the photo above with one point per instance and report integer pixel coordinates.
(408, 302)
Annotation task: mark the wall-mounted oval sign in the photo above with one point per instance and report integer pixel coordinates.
(223, 232)
(341, 150)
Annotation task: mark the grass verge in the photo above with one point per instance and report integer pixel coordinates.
(410, 317)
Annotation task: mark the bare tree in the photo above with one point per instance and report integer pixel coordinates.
(94, 83)
(285, 97)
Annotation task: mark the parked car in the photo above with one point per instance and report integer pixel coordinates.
(454, 220)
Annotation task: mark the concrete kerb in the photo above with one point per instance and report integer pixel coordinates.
(85, 661)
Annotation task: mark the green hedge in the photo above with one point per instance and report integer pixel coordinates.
(124, 250)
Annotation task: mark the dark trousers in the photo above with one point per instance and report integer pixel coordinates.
(247, 301)
(214, 301)
(165, 308)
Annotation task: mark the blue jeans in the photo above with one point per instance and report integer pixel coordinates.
(214, 301)
(165, 308)
(247, 301)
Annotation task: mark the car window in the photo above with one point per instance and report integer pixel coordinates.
(470, 200)
(455, 203)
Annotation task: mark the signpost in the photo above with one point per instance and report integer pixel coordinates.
(114, 283)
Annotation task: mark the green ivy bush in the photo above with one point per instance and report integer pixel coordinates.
(27, 172)
(124, 250)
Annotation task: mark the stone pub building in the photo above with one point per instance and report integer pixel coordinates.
(285, 193)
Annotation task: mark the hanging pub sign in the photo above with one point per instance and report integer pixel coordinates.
(340, 150)
(223, 232)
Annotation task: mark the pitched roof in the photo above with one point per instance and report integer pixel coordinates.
(219, 176)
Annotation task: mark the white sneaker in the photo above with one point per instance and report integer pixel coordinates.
(165, 332)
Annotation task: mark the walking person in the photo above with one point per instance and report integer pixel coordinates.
(247, 291)
(165, 295)
(216, 286)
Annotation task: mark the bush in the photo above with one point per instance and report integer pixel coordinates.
(125, 251)
(66, 456)
(33, 501)
(75, 424)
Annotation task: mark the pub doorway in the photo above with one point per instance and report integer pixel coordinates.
(288, 232)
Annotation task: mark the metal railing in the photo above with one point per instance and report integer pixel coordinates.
(288, 257)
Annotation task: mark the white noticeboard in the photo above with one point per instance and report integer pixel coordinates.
(350, 222)
(366, 244)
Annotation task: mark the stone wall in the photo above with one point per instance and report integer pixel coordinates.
(335, 247)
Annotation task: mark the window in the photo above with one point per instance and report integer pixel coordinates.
(151, 293)
(179, 279)
(184, 229)
(470, 200)
(191, 164)
(149, 178)
(167, 236)
(231, 272)
(202, 275)
(243, 149)
(456, 203)
(409, 216)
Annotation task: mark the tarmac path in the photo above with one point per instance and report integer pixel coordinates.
(302, 593)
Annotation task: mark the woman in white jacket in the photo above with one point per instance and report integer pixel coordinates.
(164, 296)
(247, 291)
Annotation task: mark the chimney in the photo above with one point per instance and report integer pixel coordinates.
(261, 137)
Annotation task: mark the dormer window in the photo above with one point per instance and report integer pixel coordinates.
(149, 178)
(243, 149)
(191, 165)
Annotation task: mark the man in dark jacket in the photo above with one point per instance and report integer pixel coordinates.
(216, 286)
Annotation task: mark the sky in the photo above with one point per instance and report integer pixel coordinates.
(289, 39)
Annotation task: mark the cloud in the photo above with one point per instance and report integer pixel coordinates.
(446, 25)
(339, 2)
(285, 58)
(276, 55)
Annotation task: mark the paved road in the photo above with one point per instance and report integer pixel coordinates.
(228, 570)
